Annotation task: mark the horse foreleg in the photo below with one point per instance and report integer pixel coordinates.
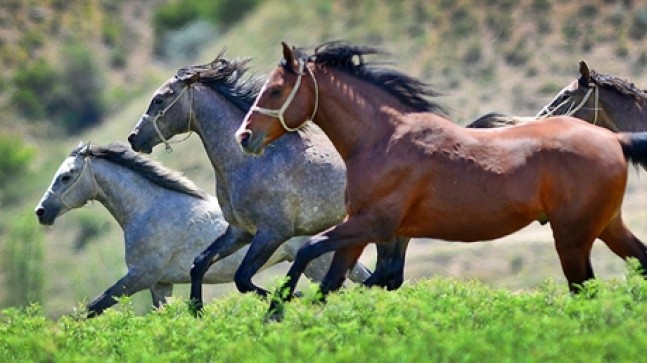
(263, 245)
(389, 268)
(159, 292)
(348, 234)
(131, 283)
(231, 241)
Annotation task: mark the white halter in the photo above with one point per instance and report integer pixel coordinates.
(162, 113)
(61, 197)
(593, 88)
(278, 113)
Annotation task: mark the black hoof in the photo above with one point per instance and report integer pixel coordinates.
(195, 306)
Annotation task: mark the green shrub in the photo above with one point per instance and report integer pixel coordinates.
(23, 262)
(71, 96)
(176, 15)
(638, 27)
(34, 83)
(15, 159)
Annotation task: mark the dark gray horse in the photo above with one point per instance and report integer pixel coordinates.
(296, 188)
(601, 99)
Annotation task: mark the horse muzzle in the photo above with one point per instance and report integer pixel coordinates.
(251, 143)
(45, 216)
(136, 144)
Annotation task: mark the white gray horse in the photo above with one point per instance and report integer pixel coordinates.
(295, 188)
(165, 218)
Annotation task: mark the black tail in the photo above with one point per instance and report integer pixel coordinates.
(634, 146)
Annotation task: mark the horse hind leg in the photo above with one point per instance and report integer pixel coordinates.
(160, 292)
(389, 269)
(624, 243)
(342, 261)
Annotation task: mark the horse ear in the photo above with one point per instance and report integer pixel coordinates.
(288, 55)
(85, 150)
(585, 75)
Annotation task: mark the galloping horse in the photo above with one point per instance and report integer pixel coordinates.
(296, 188)
(601, 99)
(412, 172)
(165, 218)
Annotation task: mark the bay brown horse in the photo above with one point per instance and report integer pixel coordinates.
(412, 172)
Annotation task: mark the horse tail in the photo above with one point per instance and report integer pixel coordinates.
(634, 147)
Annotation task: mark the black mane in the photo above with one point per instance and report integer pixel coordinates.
(225, 77)
(120, 154)
(408, 90)
(620, 85)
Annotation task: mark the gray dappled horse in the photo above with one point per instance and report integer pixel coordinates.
(165, 218)
(295, 188)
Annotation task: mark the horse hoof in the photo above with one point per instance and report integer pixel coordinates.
(298, 294)
(195, 306)
(274, 317)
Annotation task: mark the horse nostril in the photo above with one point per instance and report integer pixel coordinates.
(131, 139)
(40, 211)
(244, 137)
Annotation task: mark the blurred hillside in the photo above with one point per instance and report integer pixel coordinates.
(484, 55)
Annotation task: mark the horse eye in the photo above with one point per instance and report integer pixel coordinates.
(275, 92)
(157, 101)
(66, 178)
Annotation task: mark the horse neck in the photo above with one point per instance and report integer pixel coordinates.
(215, 121)
(353, 119)
(123, 192)
(622, 112)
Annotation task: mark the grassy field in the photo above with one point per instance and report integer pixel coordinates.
(437, 320)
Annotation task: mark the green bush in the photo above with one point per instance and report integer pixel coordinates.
(34, 83)
(638, 27)
(175, 15)
(15, 159)
(23, 262)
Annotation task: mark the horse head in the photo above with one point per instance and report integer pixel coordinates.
(284, 104)
(169, 113)
(72, 186)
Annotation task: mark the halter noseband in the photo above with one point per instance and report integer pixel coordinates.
(61, 197)
(278, 113)
(593, 88)
(162, 113)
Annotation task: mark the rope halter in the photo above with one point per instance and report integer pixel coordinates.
(162, 113)
(278, 113)
(61, 197)
(593, 88)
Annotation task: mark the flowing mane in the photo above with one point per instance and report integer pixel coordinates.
(408, 90)
(618, 84)
(225, 77)
(121, 154)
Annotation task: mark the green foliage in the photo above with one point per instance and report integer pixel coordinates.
(175, 15)
(15, 159)
(638, 27)
(432, 321)
(23, 261)
(70, 96)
